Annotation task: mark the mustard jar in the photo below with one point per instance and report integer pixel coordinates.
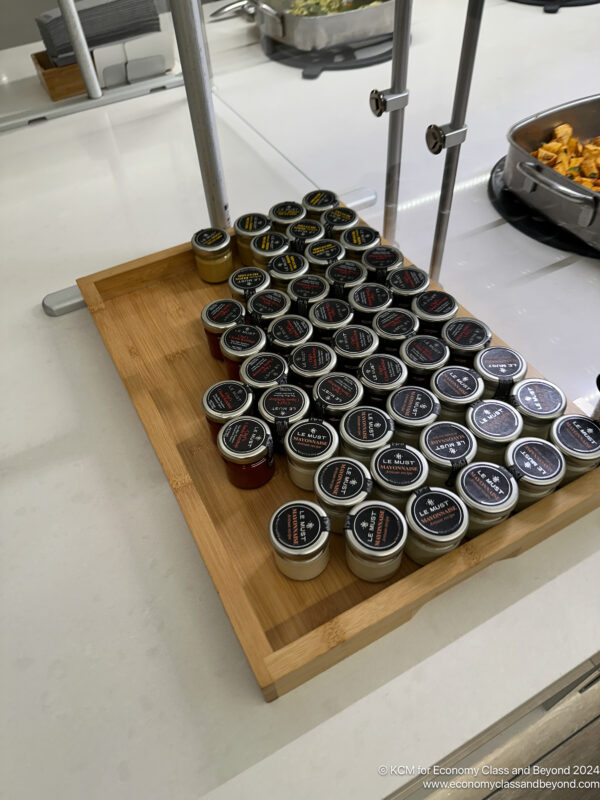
(299, 535)
(437, 523)
(308, 444)
(263, 371)
(212, 253)
(578, 439)
(489, 492)
(367, 299)
(284, 268)
(394, 326)
(363, 430)
(539, 403)
(434, 308)
(337, 220)
(495, 424)
(341, 483)
(500, 368)
(376, 535)
(246, 228)
(246, 281)
(448, 447)
(380, 261)
(303, 233)
(352, 344)
(336, 393)
(343, 276)
(412, 408)
(456, 388)
(287, 332)
(266, 246)
(424, 355)
(398, 470)
(307, 290)
(283, 214)
(406, 283)
(358, 240)
(318, 201)
(465, 337)
(322, 253)
(329, 315)
(264, 307)
(538, 466)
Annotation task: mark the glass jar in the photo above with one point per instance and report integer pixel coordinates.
(311, 361)
(456, 388)
(308, 444)
(489, 492)
(380, 261)
(381, 374)
(225, 401)
(539, 403)
(268, 305)
(337, 220)
(246, 281)
(328, 316)
(318, 201)
(412, 410)
(299, 534)
(367, 299)
(343, 276)
(394, 326)
(335, 394)
(434, 308)
(448, 447)
(538, 466)
(437, 523)
(263, 371)
(578, 439)
(285, 268)
(323, 253)
(267, 246)
(495, 425)
(358, 240)
(465, 337)
(212, 253)
(285, 213)
(303, 233)
(424, 355)
(246, 446)
(218, 317)
(281, 406)
(375, 535)
(246, 228)
(363, 430)
(406, 283)
(352, 344)
(307, 290)
(239, 343)
(398, 470)
(287, 332)
(500, 368)
(341, 483)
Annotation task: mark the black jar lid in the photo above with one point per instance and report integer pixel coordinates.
(305, 231)
(330, 314)
(284, 402)
(342, 482)
(268, 304)
(226, 400)
(369, 298)
(399, 468)
(395, 324)
(360, 238)
(324, 252)
(437, 515)
(465, 333)
(537, 398)
(577, 436)
(263, 370)
(366, 428)
(210, 241)
(287, 266)
(434, 306)
(220, 315)
(242, 341)
(245, 440)
(310, 288)
(496, 364)
(382, 258)
(320, 200)
(375, 530)
(381, 373)
(488, 488)
(247, 280)
(448, 443)
(424, 352)
(494, 421)
(346, 273)
(535, 461)
(337, 392)
(312, 360)
(457, 386)
(339, 219)
(270, 244)
(250, 225)
(311, 441)
(289, 331)
(286, 212)
(413, 407)
(299, 530)
(355, 342)
(408, 281)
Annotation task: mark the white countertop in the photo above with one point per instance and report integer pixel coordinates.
(122, 675)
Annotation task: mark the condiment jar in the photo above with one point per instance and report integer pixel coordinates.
(437, 522)
(318, 201)
(330, 315)
(393, 326)
(380, 261)
(285, 268)
(308, 444)
(489, 492)
(265, 306)
(337, 220)
(225, 401)
(412, 409)
(212, 253)
(456, 388)
(307, 290)
(537, 465)
(406, 283)
(367, 299)
(375, 534)
(352, 344)
(246, 446)
(287, 332)
(500, 368)
(363, 430)
(434, 308)
(341, 483)
(495, 425)
(246, 281)
(311, 361)
(381, 374)
(578, 439)
(299, 534)
(424, 355)
(335, 394)
(465, 337)
(398, 470)
(218, 317)
(246, 228)
(281, 406)
(239, 343)
(322, 253)
(303, 233)
(540, 403)
(343, 276)
(285, 213)
(263, 371)
(267, 246)
(448, 447)
(358, 240)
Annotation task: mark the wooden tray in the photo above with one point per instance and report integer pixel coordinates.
(148, 313)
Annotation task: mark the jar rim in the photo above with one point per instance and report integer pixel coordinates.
(224, 416)
(263, 449)
(433, 538)
(362, 550)
(457, 401)
(407, 422)
(241, 355)
(571, 453)
(214, 250)
(529, 413)
(408, 292)
(429, 317)
(481, 434)
(215, 327)
(488, 508)
(342, 502)
(313, 373)
(447, 462)
(373, 444)
(317, 458)
(340, 407)
(394, 488)
(298, 415)
(551, 480)
(467, 348)
(246, 234)
(314, 548)
(494, 379)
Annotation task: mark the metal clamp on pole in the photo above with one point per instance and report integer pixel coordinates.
(384, 102)
(442, 137)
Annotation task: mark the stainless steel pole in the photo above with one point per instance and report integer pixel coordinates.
(451, 136)
(193, 49)
(80, 48)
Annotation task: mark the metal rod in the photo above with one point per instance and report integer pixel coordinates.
(459, 111)
(191, 41)
(401, 44)
(80, 48)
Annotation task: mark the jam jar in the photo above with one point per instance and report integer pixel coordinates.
(246, 447)
(448, 447)
(281, 406)
(495, 425)
(437, 523)
(246, 281)
(267, 246)
(337, 220)
(500, 368)
(263, 371)
(376, 535)
(343, 276)
(465, 337)
(318, 201)
(303, 233)
(358, 240)
(225, 401)
(398, 470)
(218, 317)
(406, 283)
(341, 483)
(299, 534)
(381, 374)
(578, 439)
(380, 261)
(367, 299)
(330, 315)
(246, 228)
(265, 306)
(239, 343)
(363, 430)
(434, 308)
(393, 326)
(538, 466)
(352, 344)
(308, 444)
(283, 214)
(424, 355)
(285, 268)
(489, 492)
(323, 253)
(311, 361)
(412, 409)
(335, 394)
(307, 290)
(540, 403)
(287, 332)
(456, 388)
(212, 253)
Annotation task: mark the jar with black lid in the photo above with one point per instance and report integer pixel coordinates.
(282, 406)
(423, 355)
(341, 483)
(495, 425)
(337, 220)
(500, 368)
(224, 401)
(330, 315)
(380, 261)
(437, 523)
(406, 283)
(363, 431)
(287, 332)
(212, 253)
(456, 388)
(246, 281)
(285, 268)
(465, 337)
(239, 343)
(376, 535)
(264, 371)
(218, 317)
(246, 446)
(489, 492)
(246, 228)
(352, 344)
(434, 308)
(539, 402)
(265, 306)
(394, 326)
(308, 444)
(358, 240)
(367, 299)
(322, 253)
(448, 447)
(303, 233)
(578, 439)
(398, 470)
(345, 275)
(267, 246)
(307, 290)
(412, 409)
(537, 465)
(335, 394)
(299, 534)
(381, 374)
(285, 213)
(317, 201)
(311, 361)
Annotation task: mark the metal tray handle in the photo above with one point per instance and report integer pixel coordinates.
(533, 178)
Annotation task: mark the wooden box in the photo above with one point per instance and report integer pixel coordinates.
(59, 82)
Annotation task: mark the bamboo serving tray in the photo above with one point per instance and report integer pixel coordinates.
(148, 313)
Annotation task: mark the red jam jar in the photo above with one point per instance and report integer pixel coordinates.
(246, 281)
(394, 326)
(345, 275)
(406, 283)
(318, 201)
(423, 355)
(218, 317)
(246, 446)
(328, 316)
(335, 394)
(307, 290)
(367, 299)
(281, 407)
(380, 261)
(264, 371)
(465, 337)
(434, 308)
(311, 361)
(264, 307)
(381, 374)
(352, 344)
(225, 401)
(238, 343)
(288, 332)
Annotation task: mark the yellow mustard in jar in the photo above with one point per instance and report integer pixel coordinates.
(212, 252)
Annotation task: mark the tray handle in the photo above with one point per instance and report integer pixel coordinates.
(533, 178)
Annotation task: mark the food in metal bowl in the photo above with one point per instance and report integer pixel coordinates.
(320, 8)
(568, 156)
